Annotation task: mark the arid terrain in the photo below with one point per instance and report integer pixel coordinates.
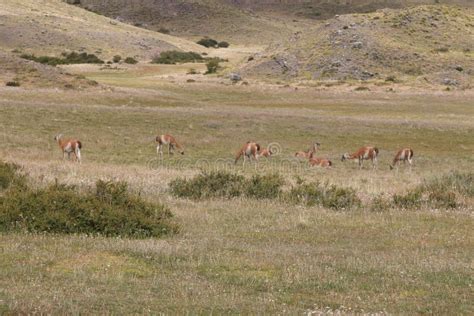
(372, 240)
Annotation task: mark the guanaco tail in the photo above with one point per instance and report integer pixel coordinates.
(69, 146)
(405, 154)
(364, 153)
(169, 140)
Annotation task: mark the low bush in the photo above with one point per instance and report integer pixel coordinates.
(330, 196)
(223, 44)
(217, 184)
(109, 210)
(117, 58)
(130, 60)
(462, 183)
(208, 42)
(173, 57)
(164, 30)
(410, 200)
(9, 175)
(12, 84)
(67, 58)
(264, 187)
(212, 66)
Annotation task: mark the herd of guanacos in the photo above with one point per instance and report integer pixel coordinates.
(253, 150)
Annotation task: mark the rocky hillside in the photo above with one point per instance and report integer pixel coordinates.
(50, 27)
(242, 21)
(431, 43)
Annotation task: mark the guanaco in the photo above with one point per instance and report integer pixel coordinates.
(69, 146)
(169, 140)
(364, 153)
(248, 150)
(307, 154)
(405, 154)
(319, 162)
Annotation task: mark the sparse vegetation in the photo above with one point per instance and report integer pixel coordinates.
(173, 57)
(67, 58)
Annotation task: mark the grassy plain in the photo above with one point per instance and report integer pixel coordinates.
(242, 256)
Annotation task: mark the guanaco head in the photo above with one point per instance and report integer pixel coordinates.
(58, 137)
(345, 156)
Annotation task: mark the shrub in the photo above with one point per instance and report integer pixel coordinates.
(130, 60)
(12, 84)
(173, 57)
(110, 211)
(192, 71)
(410, 200)
(380, 204)
(326, 195)
(217, 184)
(207, 42)
(67, 58)
(462, 183)
(212, 66)
(9, 175)
(164, 30)
(264, 187)
(117, 58)
(223, 44)
(443, 199)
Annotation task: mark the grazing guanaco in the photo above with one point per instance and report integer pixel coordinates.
(364, 153)
(69, 146)
(405, 154)
(307, 154)
(169, 140)
(248, 150)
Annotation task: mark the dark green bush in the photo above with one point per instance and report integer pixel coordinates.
(117, 58)
(173, 57)
(130, 60)
(67, 58)
(110, 211)
(264, 187)
(223, 44)
(217, 184)
(12, 84)
(207, 42)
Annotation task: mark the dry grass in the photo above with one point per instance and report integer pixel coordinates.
(241, 256)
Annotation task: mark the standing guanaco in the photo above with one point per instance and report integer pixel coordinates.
(248, 150)
(69, 146)
(169, 140)
(307, 154)
(364, 153)
(405, 154)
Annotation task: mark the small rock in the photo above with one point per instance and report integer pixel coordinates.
(357, 45)
(450, 82)
(459, 68)
(234, 77)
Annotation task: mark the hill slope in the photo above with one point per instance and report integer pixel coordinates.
(242, 21)
(50, 27)
(420, 41)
